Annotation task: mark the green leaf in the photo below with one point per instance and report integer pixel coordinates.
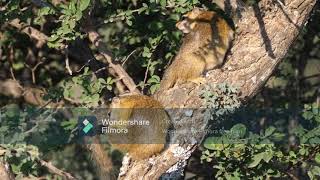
(72, 24)
(317, 158)
(129, 22)
(238, 131)
(154, 79)
(109, 87)
(102, 81)
(73, 6)
(292, 154)
(13, 5)
(66, 93)
(311, 176)
(110, 81)
(269, 131)
(53, 37)
(70, 124)
(3, 129)
(163, 3)
(46, 11)
(278, 136)
(315, 110)
(86, 71)
(308, 115)
(256, 160)
(315, 140)
(154, 88)
(84, 4)
(214, 143)
(302, 151)
(316, 170)
(267, 156)
(95, 98)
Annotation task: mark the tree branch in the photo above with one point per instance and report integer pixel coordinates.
(96, 40)
(5, 173)
(30, 31)
(56, 170)
(31, 95)
(115, 69)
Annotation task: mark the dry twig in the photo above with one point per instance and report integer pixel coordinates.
(56, 170)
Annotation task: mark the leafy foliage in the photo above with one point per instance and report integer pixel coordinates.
(69, 16)
(21, 132)
(85, 89)
(241, 154)
(220, 99)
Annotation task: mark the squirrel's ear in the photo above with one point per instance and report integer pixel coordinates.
(185, 15)
(193, 14)
(192, 25)
(183, 26)
(196, 10)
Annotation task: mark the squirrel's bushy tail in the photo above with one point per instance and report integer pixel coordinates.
(101, 159)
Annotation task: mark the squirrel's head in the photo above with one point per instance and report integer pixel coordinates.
(192, 18)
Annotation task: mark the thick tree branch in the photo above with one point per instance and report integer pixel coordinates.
(264, 35)
(5, 173)
(31, 95)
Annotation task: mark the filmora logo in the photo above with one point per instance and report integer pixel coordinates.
(86, 125)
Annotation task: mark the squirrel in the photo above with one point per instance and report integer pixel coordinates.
(138, 126)
(206, 41)
(145, 123)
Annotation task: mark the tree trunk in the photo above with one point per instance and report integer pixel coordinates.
(264, 34)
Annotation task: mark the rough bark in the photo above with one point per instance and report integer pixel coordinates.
(263, 36)
(5, 173)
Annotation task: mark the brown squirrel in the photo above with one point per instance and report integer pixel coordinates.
(143, 125)
(206, 41)
(146, 134)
